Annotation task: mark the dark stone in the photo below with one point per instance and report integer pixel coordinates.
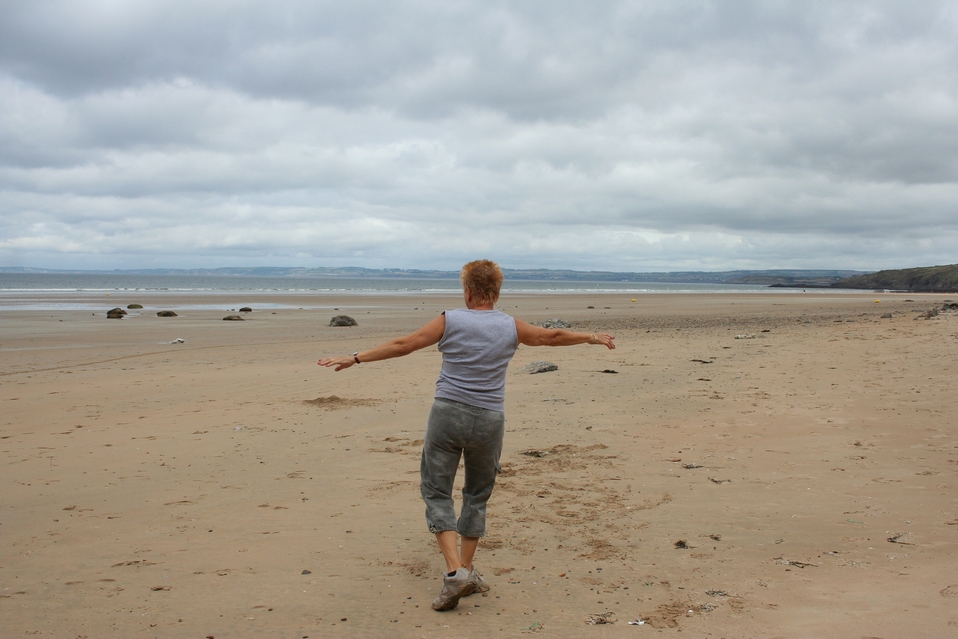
(134, 306)
(115, 313)
(246, 309)
(343, 320)
(166, 314)
(233, 318)
(540, 367)
(555, 323)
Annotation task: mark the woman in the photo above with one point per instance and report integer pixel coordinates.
(467, 418)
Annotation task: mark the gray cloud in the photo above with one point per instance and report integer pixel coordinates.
(622, 136)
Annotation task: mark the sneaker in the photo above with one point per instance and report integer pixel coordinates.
(454, 587)
(478, 583)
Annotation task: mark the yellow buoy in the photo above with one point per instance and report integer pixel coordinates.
(633, 299)
(878, 301)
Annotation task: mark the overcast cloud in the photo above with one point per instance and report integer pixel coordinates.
(627, 136)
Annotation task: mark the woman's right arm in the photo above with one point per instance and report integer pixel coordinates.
(428, 335)
(537, 336)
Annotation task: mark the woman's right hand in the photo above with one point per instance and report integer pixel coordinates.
(339, 362)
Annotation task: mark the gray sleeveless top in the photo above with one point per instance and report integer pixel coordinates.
(476, 349)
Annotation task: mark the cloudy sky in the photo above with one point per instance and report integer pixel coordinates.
(626, 136)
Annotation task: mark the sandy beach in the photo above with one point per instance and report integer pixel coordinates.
(761, 465)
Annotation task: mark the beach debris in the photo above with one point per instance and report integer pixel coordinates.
(534, 453)
(745, 336)
(115, 313)
(540, 367)
(897, 539)
(950, 591)
(334, 402)
(886, 316)
(166, 314)
(233, 318)
(158, 588)
(590, 307)
(719, 481)
(637, 622)
(246, 309)
(555, 322)
(797, 564)
(691, 466)
(343, 320)
(306, 572)
(716, 593)
(702, 361)
(601, 618)
(681, 544)
(134, 306)
(714, 537)
(535, 627)
(611, 371)
(178, 340)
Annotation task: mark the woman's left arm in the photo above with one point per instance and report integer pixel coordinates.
(428, 335)
(537, 336)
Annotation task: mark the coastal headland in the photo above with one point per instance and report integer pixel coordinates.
(742, 465)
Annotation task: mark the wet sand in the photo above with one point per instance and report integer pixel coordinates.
(761, 465)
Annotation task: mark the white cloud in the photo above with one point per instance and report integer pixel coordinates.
(623, 136)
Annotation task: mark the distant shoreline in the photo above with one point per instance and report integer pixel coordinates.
(754, 277)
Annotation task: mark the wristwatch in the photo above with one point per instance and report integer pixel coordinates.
(356, 357)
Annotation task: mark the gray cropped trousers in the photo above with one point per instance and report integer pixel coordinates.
(456, 430)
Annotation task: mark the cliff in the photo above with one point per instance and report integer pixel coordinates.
(927, 279)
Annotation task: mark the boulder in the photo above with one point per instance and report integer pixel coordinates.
(343, 320)
(540, 367)
(246, 309)
(233, 318)
(166, 314)
(115, 313)
(134, 306)
(555, 323)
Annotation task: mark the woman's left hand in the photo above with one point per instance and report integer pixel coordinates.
(605, 339)
(339, 362)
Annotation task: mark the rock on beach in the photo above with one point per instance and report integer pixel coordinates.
(343, 320)
(540, 367)
(555, 322)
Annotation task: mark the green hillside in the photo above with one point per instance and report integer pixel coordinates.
(927, 279)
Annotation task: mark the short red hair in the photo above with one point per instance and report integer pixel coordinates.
(483, 278)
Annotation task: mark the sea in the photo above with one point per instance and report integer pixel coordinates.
(68, 291)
